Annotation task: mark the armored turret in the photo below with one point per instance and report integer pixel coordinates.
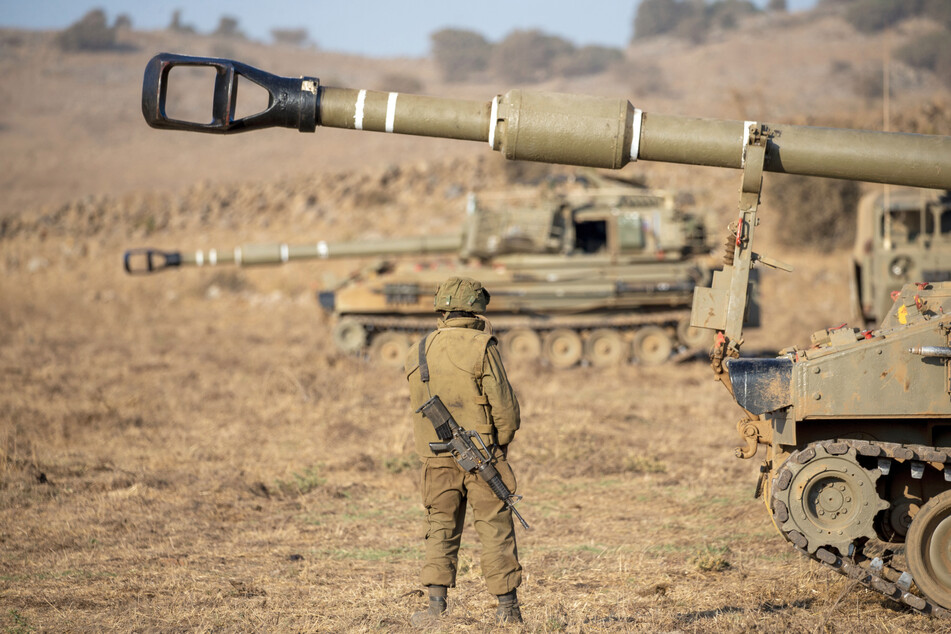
(855, 427)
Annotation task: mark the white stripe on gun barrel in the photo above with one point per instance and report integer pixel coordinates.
(493, 119)
(322, 249)
(391, 110)
(636, 133)
(237, 256)
(285, 253)
(358, 110)
(212, 257)
(199, 258)
(746, 141)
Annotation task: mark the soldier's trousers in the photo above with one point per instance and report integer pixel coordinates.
(446, 489)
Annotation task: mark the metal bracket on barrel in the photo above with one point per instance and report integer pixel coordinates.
(754, 158)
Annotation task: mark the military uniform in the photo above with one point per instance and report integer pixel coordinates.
(466, 372)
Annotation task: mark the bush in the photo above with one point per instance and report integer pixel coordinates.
(870, 16)
(526, 56)
(688, 19)
(177, 26)
(90, 33)
(930, 52)
(460, 53)
(728, 13)
(813, 213)
(228, 27)
(587, 60)
(656, 17)
(290, 37)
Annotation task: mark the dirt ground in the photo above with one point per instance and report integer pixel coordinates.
(187, 451)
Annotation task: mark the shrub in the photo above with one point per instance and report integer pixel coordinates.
(728, 13)
(177, 25)
(587, 60)
(290, 37)
(525, 56)
(228, 27)
(90, 33)
(930, 52)
(814, 213)
(688, 19)
(460, 53)
(656, 17)
(871, 16)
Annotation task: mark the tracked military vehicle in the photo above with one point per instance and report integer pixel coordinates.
(901, 236)
(855, 429)
(603, 273)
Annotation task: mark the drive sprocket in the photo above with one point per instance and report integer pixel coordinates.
(822, 497)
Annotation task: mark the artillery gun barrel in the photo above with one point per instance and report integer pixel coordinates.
(558, 128)
(152, 260)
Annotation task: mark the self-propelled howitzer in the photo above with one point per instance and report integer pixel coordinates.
(604, 272)
(856, 429)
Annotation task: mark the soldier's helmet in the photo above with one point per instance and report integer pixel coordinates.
(461, 293)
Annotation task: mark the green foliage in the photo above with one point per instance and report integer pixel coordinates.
(813, 213)
(290, 37)
(644, 464)
(177, 25)
(523, 56)
(690, 19)
(587, 60)
(727, 14)
(656, 17)
(302, 483)
(526, 56)
(870, 16)
(460, 53)
(90, 33)
(931, 52)
(399, 464)
(20, 624)
(228, 27)
(711, 559)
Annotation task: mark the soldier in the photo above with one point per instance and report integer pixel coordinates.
(465, 370)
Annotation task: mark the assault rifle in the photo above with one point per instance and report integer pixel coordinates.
(459, 441)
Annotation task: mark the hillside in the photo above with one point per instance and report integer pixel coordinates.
(188, 451)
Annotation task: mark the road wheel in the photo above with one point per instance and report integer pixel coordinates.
(389, 349)
(928, 549)
(349, 335)
(693, 337)
(605, 347)
(652, 345)
(520, 345)
(562, 347)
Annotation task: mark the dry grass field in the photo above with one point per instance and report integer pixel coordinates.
(187, 452)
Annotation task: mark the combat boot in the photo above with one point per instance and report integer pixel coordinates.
(437, 607)
(508, 610)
